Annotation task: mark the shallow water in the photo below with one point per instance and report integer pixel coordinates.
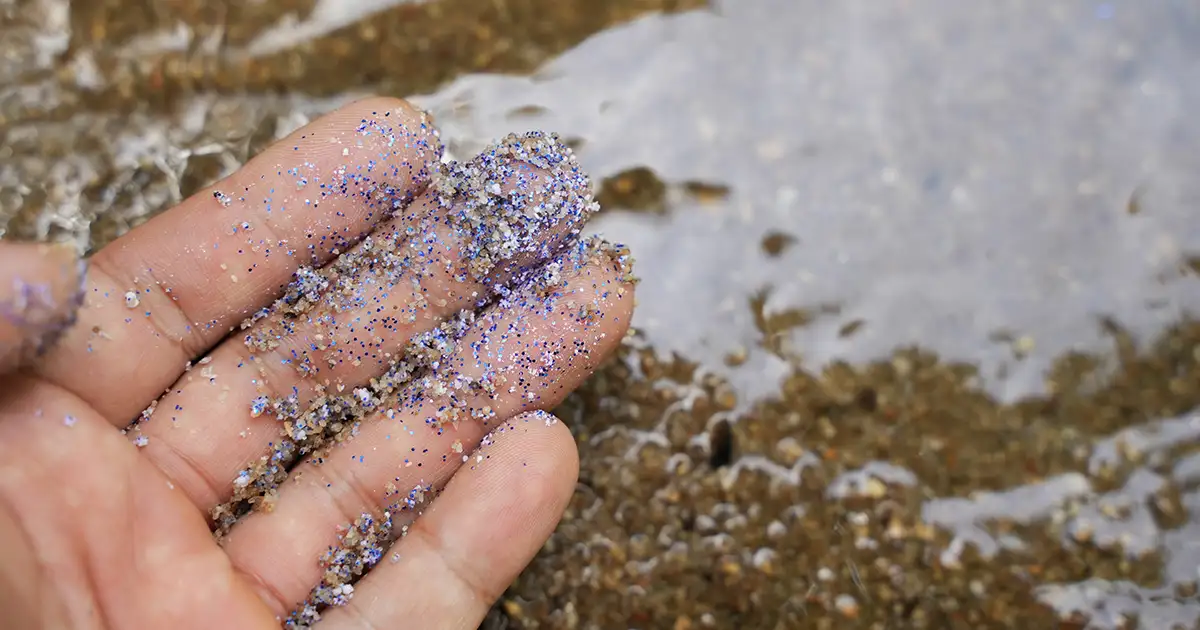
(916, 343)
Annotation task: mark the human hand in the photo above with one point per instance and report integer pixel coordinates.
(410, 364)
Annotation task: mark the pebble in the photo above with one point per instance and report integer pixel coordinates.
(847, 605)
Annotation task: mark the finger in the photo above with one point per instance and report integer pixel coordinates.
(170, 289)
(532, 352)
(41, 286)
(391, 288)
(473, 541)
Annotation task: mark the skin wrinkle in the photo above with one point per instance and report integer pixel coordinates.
(187, 346)
(93, 580)
(478, 590)
(358, 492)
(265, 590)
(193, 469)
(358, 617)
(93, 566)
(31, 394)
(37, 574)
(97, 268)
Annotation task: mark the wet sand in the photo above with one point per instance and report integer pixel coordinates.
(916, 344)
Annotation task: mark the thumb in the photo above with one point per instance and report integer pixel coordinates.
(41, 288)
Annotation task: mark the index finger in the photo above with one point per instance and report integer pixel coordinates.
(162, 294)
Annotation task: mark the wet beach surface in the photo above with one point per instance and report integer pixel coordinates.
(916, 341)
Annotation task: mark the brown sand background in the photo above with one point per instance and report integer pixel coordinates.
(917, 344)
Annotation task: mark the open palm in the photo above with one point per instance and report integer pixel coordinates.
(330, 338)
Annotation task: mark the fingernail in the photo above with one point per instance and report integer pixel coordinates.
(41, 290)
(507, 201)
